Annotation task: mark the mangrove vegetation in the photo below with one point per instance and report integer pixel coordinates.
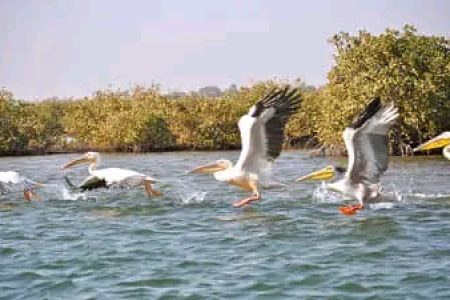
(403, 66)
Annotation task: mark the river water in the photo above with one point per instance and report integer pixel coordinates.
(192, 244)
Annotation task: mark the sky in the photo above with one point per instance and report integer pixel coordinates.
(71, 48)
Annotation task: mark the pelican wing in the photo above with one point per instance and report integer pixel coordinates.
(366, 142)
(111, 176)
(262, 129)
(118, 176)
(92, 182)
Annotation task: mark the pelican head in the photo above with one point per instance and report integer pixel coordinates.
(441, 141)
(217, 166)
(92, 158)
(325, 174)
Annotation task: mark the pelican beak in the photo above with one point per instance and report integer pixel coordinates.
(208, 168)
(77, 161)
(438, 142)
(324, 174)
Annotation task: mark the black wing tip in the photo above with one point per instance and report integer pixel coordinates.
(95, 185)
(69, 183)
(371, 109)
(281, 97)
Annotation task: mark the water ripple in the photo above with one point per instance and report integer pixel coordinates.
(192, 244)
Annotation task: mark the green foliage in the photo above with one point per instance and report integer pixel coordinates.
(409, 69)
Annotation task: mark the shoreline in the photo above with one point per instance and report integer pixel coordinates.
(312, 153)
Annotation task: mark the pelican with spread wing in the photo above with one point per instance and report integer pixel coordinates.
(9, 180)
(262, 137)
(104, 178)
(441, 141)
(367, 147)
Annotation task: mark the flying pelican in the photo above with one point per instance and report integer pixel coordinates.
(105, 178)
(11, 179)
(441, 141)
(366, 143)
(262, 136)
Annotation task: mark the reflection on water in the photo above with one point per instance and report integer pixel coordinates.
(191, 242)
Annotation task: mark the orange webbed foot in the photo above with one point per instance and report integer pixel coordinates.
(157, 193)
(350, 210)
(29, 195)
(241, 203)
(246, 201)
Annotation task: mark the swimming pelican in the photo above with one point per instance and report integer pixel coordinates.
(262, 136)
(441, 141)
(11, 179)
(105, 178)
(366, 143)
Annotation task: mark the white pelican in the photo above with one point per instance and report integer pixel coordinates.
(366, 143)
(262, 136)
(105, 178)
(441, 141)
(11, 179)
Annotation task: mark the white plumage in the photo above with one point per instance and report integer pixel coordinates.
(367, 147)
(262, 137)
(99, 178)
(367, 155)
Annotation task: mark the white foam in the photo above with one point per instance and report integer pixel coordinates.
(427, 195)
(59, 192)
(323, 195)
(192, 197)
(382, 205)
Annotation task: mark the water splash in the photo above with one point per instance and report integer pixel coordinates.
(188, 197)
(59, 192)
(66, 194)
(392, 192)
(427, 195)
(382, 205)
(322, 194)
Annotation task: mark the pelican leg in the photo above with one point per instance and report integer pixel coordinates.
(30, 195)
(350, 210)
(149, 189)
(254, 197)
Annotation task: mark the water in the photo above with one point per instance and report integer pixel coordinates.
(192, 244)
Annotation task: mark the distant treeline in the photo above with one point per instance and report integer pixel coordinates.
(410, 69)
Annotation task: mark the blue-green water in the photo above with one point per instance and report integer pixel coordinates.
(192, 244)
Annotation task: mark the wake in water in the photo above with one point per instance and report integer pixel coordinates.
(46, 193)
(66, 194)
(390, 196)
(191, 197)
(59, 192)
(323, 195)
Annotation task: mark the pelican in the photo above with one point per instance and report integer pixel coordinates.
(366, 143)
(11, 179)
(441, 141)
(105, 178)
(262, 136)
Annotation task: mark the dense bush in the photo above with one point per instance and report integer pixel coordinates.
(402, 66)
(409, 69)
